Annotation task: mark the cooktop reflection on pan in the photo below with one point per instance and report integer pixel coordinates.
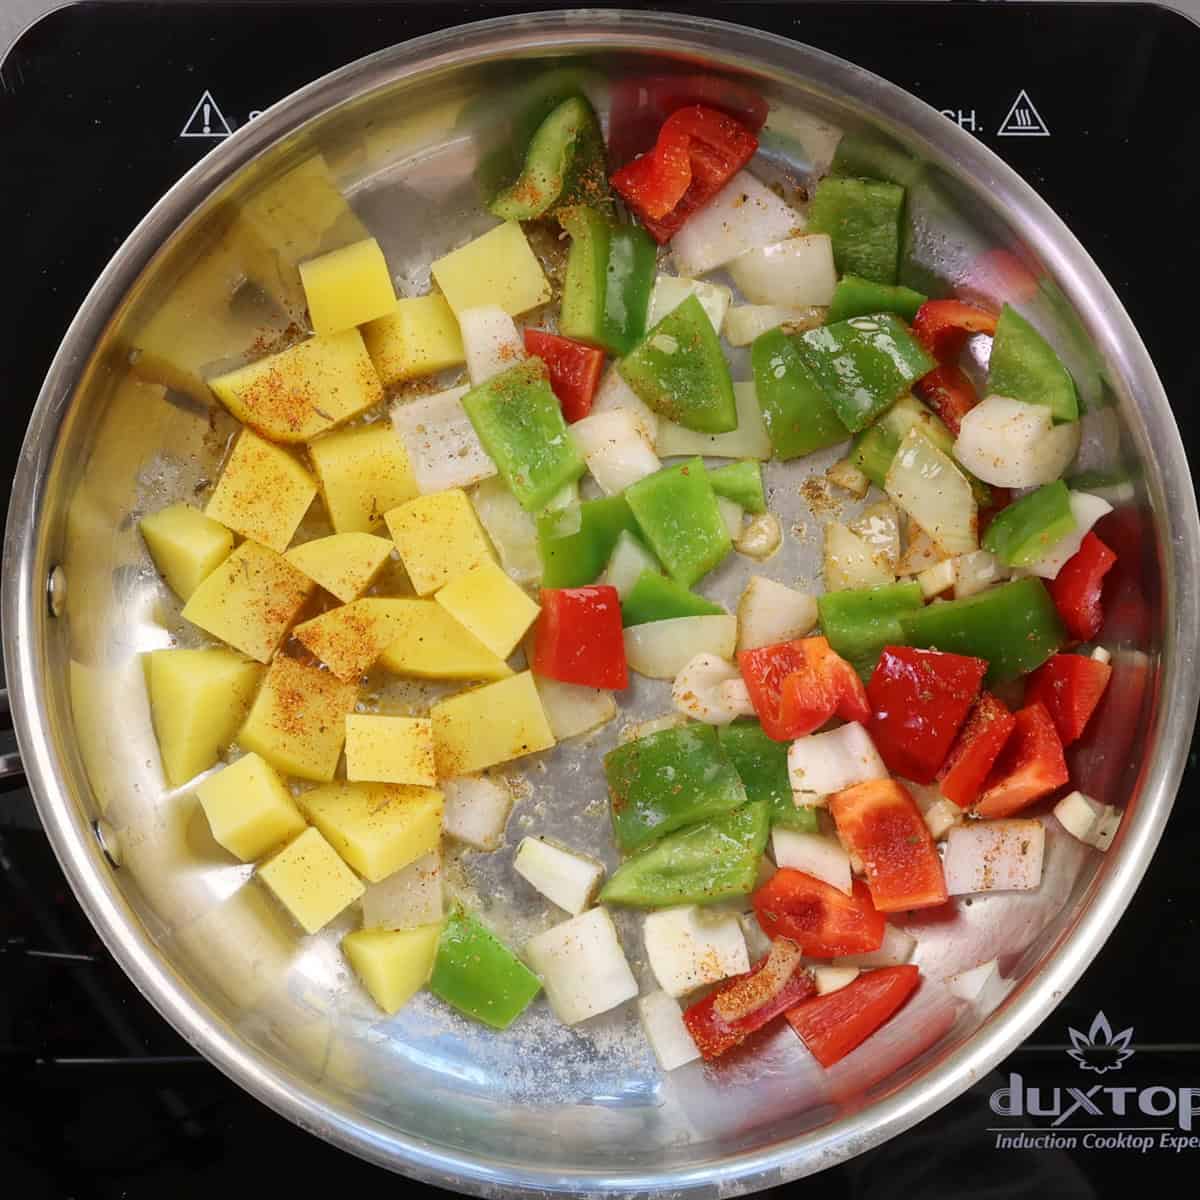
(103, 106)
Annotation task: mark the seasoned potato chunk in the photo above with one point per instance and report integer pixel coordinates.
(439, 538)
(249, 809)
(430, 644)
(311, 881)
(347, 287)
(186, 546)
(489, 725)
(485, 601)
(362, 473)
(349, 639)
(344, 564)
(497, 268)
(383, 749)
(419, 336)
(393, 964)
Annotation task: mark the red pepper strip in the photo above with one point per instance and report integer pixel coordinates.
(823, 921)
(833, 1025)
(943, 326)
(880, 822)
(1030, 766)
(948, 390)
(698, 151)
(1077, 586)
(975, 750)
(574, 370)
(1001, 499)
(714, 1035)
(919, 698)
(579, 638)
(1070, 686)
(797, 686)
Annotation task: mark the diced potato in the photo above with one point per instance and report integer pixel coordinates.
(300, 392)
(418, 336)
(347, 287)
(249, 809)
(430, 644)
(488, 604)
(565, 877)
(311, 881)
(409, 897)
(349, 639)
(197, 700)
(362, 472)
(382, 749)
(497, 268)
(186, 546)
(250, 600)
(376, 827)
(488, 725)
(393, 964)
(298, 719)
(263, 492)
(344, 564)
(476, 811)
(439, 538)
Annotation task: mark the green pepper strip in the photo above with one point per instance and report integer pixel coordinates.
(862, 218)
(858, 297)
(859, 622)
(761, 763)
(656, 598)
(576, 544)
(1025, 367)
(742, 483)
(1028, 527)
(796, 411)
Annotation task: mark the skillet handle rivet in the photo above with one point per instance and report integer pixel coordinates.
(110, 844)
(56, 591)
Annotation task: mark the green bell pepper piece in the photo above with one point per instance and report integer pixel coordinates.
(742, 483)
(564, 165)
(698, 865)
(1025, 367)
(656, 598)
(520, 423)
(761, 764)
(870, 157)
(676, 510)
(1028, 527)
(858, 297)
(859, 622)
(576, 544)
(796, 411)
(864, 365)
(1015, 627)
(669, 779)
(862, 217)
(479, 975)
(679, 371)
(609, 276)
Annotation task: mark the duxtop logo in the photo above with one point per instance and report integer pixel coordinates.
(1098, 1117)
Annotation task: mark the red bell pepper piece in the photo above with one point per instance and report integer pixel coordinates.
(579, 639)
(919, 698)
(1030, 766)
(948, 390)
(880, 822)
(714, 1035)
(823, 921)
(975, 750)
(1001, 276)
(1077, 586)
(1001, 499)
(943, 326)
(797, 686)
(1070, 686)
(698, 151)
(833, 1025)
(574, 370)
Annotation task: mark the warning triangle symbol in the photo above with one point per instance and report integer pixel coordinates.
(206, 120)
(1023, 119)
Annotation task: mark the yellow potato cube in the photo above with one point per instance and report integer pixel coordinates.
(393, 964)
(390, 749)
(418, 337)
(497, 268)
(344, 564)
(311, 881)
(347, 287)
(263, 492)
(439, 538)
(485, 601)
(298, 719)
(249, 809)
(362, 473)
(349, 639)
(300, 392)
(197, 700)
(376, 827)
(186, 546)
(431, 644)
(250, 600)
(489, 725)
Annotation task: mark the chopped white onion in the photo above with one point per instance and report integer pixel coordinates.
(1012, 444)
(670, 291)
(698, 690)
(748, 440)
(823, 763)
(662, 1019)
(742, 215)
(1089, 821)
(442, 446)
(832, 979)
(942, 816)
(1087, 510)
(574, 708)
(748, 995)
(821, 857)
(735, 696)
(615, 395)
(793, 273)
(629, 559)
(760, 537)
(895, 950)
(688, 948)
(491, 342)
(981, 986)
(769, 612)
(565, 877)
(746, 322)
(879, 526)
(976, 571)
(938, 579)
(994, 856)
(661, 649)
(731, 513)
(512, 530)
(616, 450)
(1101, 655)
(757, 942)
(846, 475)
(849, 562)
(407, 898)
(928, 485)
(476, 810)
(920, 552)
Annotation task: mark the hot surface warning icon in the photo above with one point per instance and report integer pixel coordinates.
(1023, 119)
(206, 120)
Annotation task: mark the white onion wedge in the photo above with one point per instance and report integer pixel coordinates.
(793, 273)
(823, 763)
(661, 649)
(760, 537)
(846, 475)
(491, 342)
(512, 530)
(573, 708)
(564, 876)
(745, 322)
(895, 950)
(582, 966)
(879, 526)
(1089, 821)
(976, 571)
(745, 996)
(476, 810)
(820, 857)
(732, 514)
(616, 450)
(407, 898)
(688, 948)
(1012, 444)
(442, 445)
(981, 986)
(832, 979)
(629, 559)
(662, 1019)
(928, 485)
(938, 579)
(748, 440)
(849, 562)
(769, 612)
(920, 552)
(994, 856)
(615, 395)
(1087, 510)
(699, 690)
(670, 291)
